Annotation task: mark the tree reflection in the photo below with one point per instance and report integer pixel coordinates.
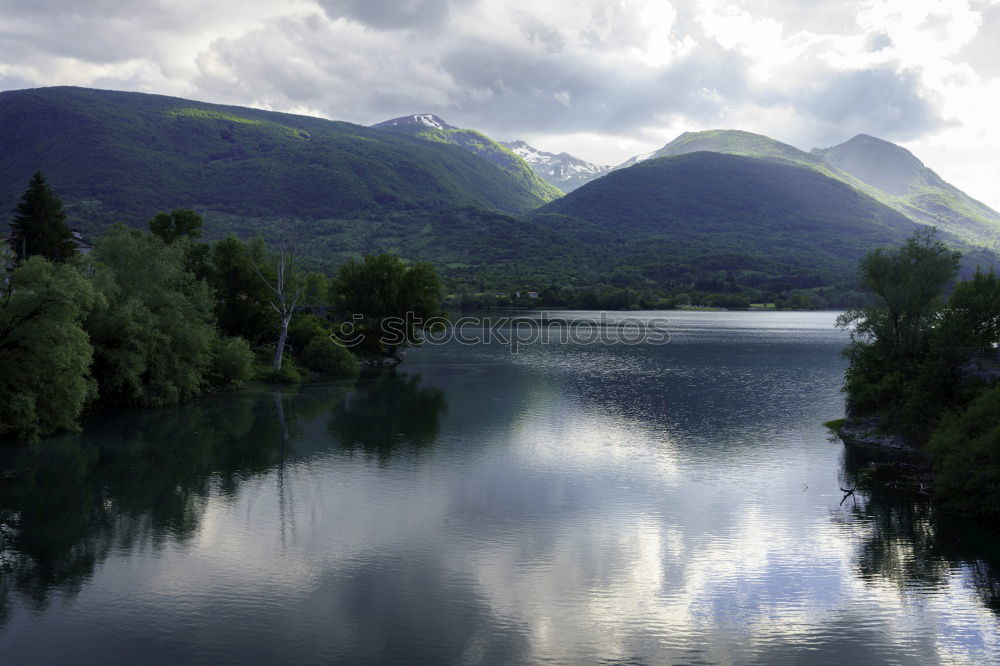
(144, 479)
(386, 414)
(904, 540)
(135, 479)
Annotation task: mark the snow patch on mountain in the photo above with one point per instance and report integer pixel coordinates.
(425, 119)
(562, 170)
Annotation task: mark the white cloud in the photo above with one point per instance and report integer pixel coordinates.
(602, 78)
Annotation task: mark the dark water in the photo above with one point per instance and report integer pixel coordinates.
(568, 504)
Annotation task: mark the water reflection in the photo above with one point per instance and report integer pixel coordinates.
(633, 505)
(388, 413)
(144, 479)
(902, 540)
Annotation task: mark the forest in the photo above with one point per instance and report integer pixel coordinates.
(155, 317)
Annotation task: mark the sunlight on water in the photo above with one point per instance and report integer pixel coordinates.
(639, 504)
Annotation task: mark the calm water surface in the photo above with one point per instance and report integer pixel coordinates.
(568, 504)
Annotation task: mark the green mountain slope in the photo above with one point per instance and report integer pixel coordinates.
(735, 142)
(914, 189)
(432, 128)
(879, 169)
(706, 211)
(124, 156)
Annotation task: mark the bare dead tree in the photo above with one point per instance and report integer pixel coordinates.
(285, 295)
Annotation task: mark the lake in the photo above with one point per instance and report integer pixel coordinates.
(567, 503)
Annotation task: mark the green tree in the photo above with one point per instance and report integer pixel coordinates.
(242, 298)
(44, 351)
(179, 223)
(890, 336)
(327, 357)
(907, 284)
(965, 449)
(155, 334)
(971, 320)
(387, 302)
(39, 226)
(232, 362)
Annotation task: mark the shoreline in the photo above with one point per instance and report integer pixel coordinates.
(902, 467)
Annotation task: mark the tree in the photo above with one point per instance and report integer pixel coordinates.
(179, 223)
(971, 320)
(242, 298)
(908, 284)
(39, 226)
(154, 334)
(895, 370)
(890, 337)
(381, 288)
(44, 352)
(286, 289)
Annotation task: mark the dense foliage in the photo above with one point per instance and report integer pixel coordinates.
(155, 318)
(44, 351)
(389, 303)
(154, 333)
(926, 366)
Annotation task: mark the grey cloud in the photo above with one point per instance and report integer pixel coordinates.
(883, 102)
(876, 41)
(392, 14)
(523, 89)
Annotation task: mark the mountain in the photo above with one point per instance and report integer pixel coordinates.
(431, 128)
(563, 170)
(879, 169)
(769, 219)
(916, 190)
(699, 212)
(124, 156)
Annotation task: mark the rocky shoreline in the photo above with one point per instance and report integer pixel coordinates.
(907, 468)
(865, 432)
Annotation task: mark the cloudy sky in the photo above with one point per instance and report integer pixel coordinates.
(603, 79)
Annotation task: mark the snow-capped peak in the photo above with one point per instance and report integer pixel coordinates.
(563, 170)
(425, 119)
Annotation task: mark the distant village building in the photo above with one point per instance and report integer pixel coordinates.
(82, 246)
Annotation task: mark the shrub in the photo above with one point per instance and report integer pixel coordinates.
(965, 448)
(303, 329)
(289, 374)
(232, 362)
(325, 356)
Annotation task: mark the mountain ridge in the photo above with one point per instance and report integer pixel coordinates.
(434, 129)
(922, 195)
(124, 156)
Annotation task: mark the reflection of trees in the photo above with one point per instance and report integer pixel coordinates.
(903, 539)
(66, 503)
(144, 478)
(386, 414)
